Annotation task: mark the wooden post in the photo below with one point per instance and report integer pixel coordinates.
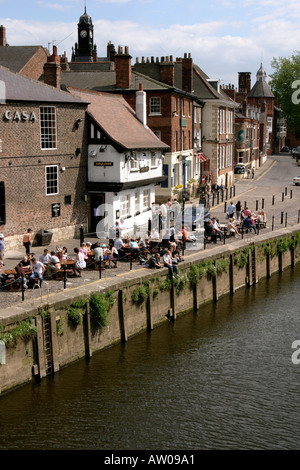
(231, 275)
(40, 347)
(215, 286)
(149, 303)
(87, 331)
(293, 252)
(268, 264)
(122, 317)
(54, 340)
(173, 301)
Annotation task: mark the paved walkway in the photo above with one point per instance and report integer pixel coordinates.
(246, 190)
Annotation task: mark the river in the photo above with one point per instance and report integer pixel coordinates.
(221, 378)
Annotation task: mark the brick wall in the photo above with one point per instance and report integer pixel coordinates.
(22, 168)
(34, 67)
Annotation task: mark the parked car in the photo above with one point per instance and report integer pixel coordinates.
(239, 169)
(285, 149)
(296, 180)
(296, 152)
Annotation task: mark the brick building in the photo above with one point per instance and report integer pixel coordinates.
(43, 159)
(26, 60)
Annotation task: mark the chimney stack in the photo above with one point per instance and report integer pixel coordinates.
(187, 73)
(2, 36)
(123, 68)
(141, 106)
(167, 71)
(52, 69)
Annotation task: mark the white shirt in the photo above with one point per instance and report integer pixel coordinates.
(38, 268)
(98, 252)
(45, 258)
(167, 259)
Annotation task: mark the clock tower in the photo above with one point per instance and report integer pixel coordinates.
(84, 48)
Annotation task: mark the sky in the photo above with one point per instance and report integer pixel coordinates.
(224, 37)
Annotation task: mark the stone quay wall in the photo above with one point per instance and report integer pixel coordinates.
(135, 303)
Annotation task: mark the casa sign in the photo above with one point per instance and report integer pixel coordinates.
(19, 116)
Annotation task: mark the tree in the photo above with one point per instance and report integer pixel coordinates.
(285, 84)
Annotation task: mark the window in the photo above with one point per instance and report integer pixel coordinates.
(125, 206)
(158, 134)
(155, 105)
(146, 199)
(134, 165)
(51, 179)
(48, 127)
(153, 160)
(137, 201)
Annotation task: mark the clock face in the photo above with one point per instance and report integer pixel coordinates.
(83, 33)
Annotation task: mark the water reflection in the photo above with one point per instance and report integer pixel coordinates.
(219, 379)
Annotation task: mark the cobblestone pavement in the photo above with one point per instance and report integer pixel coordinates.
(274, 178)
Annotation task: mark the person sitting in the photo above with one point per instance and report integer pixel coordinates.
(98, 252)
(210, 231)
(83, 250)
(135, 248)
(231, 228)
(64, 253)
(119, 245)
(45, 258)
(185, 235)
(154, 261)
(54, 264)
(113, 256)
(80, 262)
(38, 271)
(154, 234)
(3, 276)
(168, 264)
(248, 224)
(25, 262)
(216, 228)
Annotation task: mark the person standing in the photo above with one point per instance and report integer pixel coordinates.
(1, 246)
(231, 209)
(238, 209)
(27, 241)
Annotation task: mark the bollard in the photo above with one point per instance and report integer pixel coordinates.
(225, 207)
(257, 205)
(230, 192)
(281, 218)
(222, 195)
(245, 204)
(233, 191)
(272, 223)
(298, 216)
(218, 197)
(99, 265)
(149, 225)
(285, 191)
(23, 290)
(262, 203)
(213, 200)
(226, 193)
(291, 194)
(130, 259)
(65, 277)
(286, 219)
(273, 200)
(282, 197)
(81, 236)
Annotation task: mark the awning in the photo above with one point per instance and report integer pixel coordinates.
(202, 157)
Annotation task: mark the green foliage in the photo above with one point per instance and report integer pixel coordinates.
(193, 275)
(141, 293)
(222, 265)
(76, 311)
(60, 326)
(100, 304)
(165, 285)
(286, 72)
(179, 283)
(155, 293)
(282, 245)
(241, 257)
(23, 330)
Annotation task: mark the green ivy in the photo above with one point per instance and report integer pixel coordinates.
(193, 275)
(179, 282)
(282, 245)
(241, 257)
(76, 311)
(222, 266)
(100, 304)
(23, 330)
(60, 326)
(165, 285)
(141, 293)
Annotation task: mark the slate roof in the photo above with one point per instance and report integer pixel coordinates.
(20, 88)
(16, 57)
(99, 80)
(116, 117)
(261, 89)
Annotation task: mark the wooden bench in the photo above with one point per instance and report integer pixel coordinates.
(60, 273)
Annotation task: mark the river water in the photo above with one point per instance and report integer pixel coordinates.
(222, 378)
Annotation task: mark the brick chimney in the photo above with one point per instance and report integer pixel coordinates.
(244, 82)
(52, 69)
(123, 68)
(187, 73)
(64, 64)
(2, 36)
(111, 52)
(167, 71)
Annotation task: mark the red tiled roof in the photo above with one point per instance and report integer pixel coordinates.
(118, 120)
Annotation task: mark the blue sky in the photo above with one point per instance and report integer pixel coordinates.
(224, 36)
